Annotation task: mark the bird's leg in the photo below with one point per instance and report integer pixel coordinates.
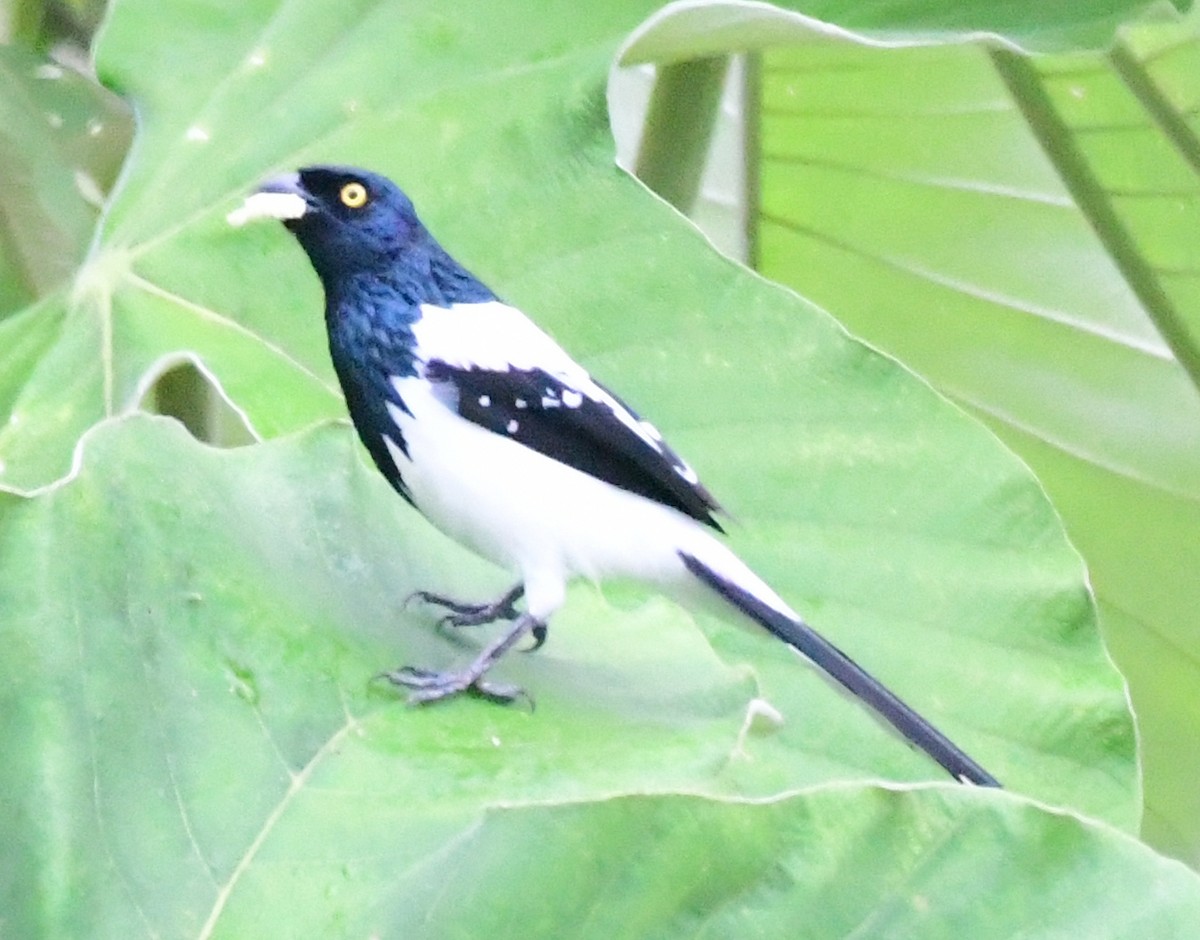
(473, 615)
(430, 686)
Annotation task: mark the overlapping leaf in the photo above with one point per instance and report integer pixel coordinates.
(195, 743)
(1024, 232)
(62, 139)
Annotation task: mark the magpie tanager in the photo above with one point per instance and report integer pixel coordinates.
(504, 442)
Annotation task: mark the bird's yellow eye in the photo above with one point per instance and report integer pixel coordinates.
(353, 195)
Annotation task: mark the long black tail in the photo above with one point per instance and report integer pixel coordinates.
(856, 680)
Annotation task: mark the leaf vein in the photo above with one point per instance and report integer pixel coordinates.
(298, 782)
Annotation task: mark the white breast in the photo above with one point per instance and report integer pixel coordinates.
(541, 519)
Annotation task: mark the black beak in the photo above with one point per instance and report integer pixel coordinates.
(284, 183)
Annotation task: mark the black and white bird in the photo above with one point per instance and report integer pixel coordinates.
(505, 443)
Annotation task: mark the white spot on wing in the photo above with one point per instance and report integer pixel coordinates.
(485, 401)
(572, 398)
(512, 426)
(520, 403)
(623, 414)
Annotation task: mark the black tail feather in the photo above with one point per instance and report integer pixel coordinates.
(847, 673)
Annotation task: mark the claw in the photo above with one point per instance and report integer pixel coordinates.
(539, 633)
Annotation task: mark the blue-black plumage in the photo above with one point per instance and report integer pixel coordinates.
(504, 442)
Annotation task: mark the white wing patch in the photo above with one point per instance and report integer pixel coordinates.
(490, 335)
(494, 335)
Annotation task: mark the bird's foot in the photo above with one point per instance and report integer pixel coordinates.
(428, 685)
(473, 615)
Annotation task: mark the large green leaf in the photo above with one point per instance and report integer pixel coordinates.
(783, 869)
(194, 748)
(1024, 232)
(192, 632)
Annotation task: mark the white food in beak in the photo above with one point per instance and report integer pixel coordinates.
(268, 206)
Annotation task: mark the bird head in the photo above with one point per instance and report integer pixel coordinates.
(347, 220)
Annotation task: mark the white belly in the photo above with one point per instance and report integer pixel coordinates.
(535, 516)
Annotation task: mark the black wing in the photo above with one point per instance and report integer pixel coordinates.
(588, 429)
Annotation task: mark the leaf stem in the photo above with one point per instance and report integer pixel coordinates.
(679, 124)
(1059, 143)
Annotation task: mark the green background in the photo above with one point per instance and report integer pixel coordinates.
(195, 746)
